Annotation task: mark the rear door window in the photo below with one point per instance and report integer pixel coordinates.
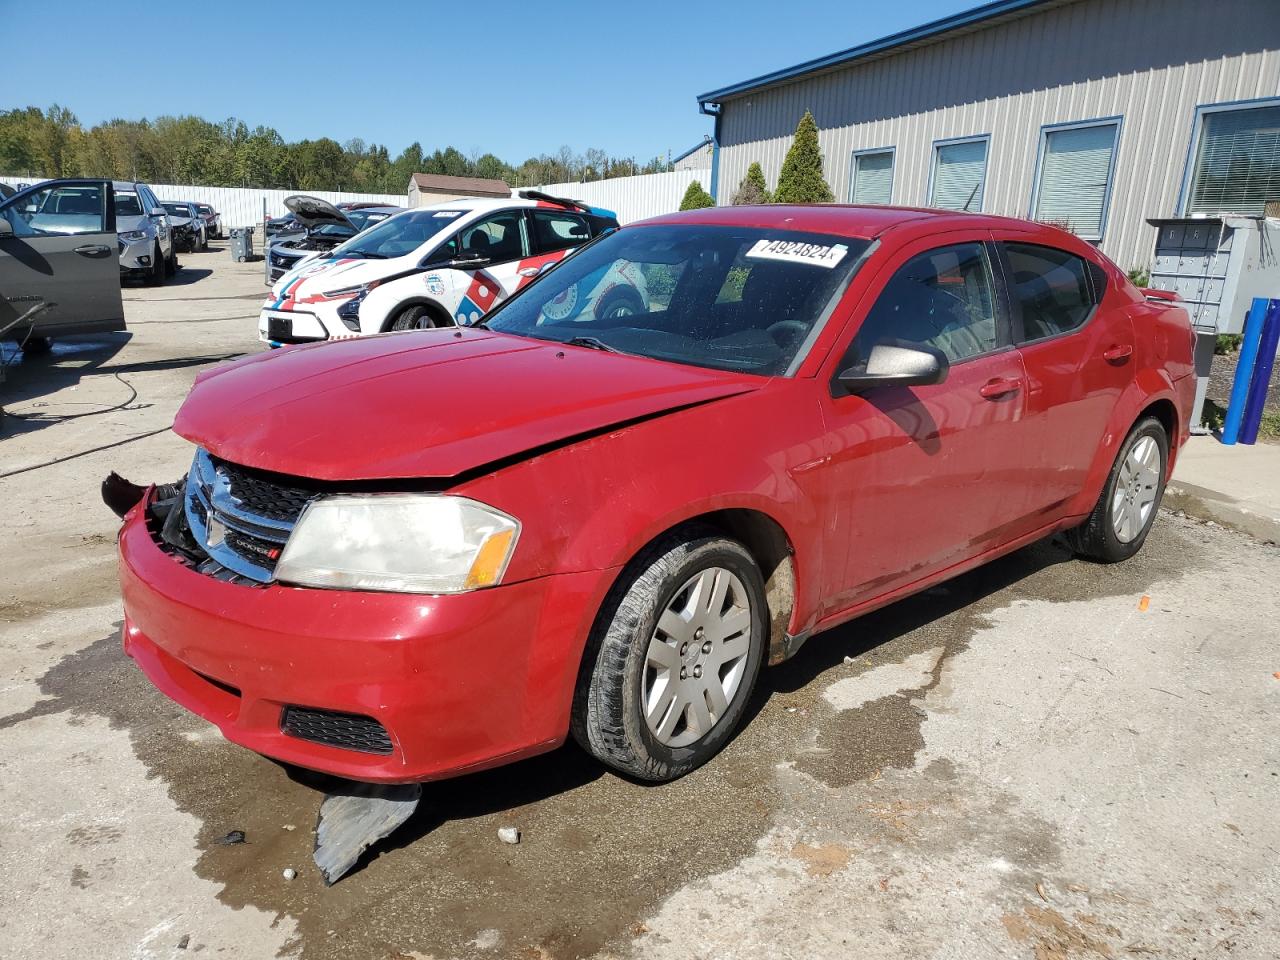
(1051, 288)
(553, 230)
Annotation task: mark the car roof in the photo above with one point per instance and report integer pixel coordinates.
(842, 219)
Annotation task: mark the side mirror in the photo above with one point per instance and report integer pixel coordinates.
(896, 365)
(157, 212)
(6, 228)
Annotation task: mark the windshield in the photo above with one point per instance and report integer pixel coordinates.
(398, 235)
(127, 205)
(204, 210)
(729, 298)
(178, 209)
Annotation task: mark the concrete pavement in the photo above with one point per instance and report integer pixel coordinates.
(1237, 486)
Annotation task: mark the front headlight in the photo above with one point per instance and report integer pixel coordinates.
(133, 236)
(410, 543)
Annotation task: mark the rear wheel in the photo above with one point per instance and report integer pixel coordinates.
(417, 317)
(1126, 510)
(674, 657)
(171, 263)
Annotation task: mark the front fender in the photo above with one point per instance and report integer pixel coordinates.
(595, 504)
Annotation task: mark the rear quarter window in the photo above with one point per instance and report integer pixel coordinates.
(1052, 289)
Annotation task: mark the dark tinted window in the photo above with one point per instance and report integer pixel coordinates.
(943, 298)
(1051, 287)
(558, 231)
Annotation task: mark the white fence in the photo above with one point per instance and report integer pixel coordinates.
(242, 206)
(634, 198)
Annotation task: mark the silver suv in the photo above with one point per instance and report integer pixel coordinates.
(146, 236)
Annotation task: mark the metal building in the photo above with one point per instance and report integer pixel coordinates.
(1093, 114)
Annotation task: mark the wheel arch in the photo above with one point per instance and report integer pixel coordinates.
(1150, 394)
(439, 314)
(769, 544)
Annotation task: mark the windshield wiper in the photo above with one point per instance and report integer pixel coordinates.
(592, 343)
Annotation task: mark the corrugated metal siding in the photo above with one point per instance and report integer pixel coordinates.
(633, 198)
(1149, 61)
(242, 206)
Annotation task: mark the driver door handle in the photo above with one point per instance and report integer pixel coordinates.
(529, 271)
(999, 387)
(93, 250)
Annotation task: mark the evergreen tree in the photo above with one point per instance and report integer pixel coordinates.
(695, 198)
(753, 188)
(801, 179)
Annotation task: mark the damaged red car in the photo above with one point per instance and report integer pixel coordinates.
(408, 556)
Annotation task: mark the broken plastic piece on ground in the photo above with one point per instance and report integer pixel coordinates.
(1144, 603)
(355, 816)
(235, 836)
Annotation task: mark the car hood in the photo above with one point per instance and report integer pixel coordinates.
(124, 224)
(313, 212)
(177, 221)
(428, 404)
(324, 274)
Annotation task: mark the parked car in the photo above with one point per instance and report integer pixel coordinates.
(404, 558)
(147, 250)
(321, 227)
(57, 252)
(281, 225)
(432, 266)
(212, 220)
(190, 233)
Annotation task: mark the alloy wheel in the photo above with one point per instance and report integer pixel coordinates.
(697, 657)
(1137, 485)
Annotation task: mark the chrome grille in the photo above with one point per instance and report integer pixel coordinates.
(241, 520)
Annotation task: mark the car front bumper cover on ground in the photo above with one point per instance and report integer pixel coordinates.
(377, 687)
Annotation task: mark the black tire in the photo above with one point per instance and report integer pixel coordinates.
(607, 719)
(155, 276)
(171, 263)
(619, 303)
(204, 241)
(34, 345)
(1096, 538)
(418, 317)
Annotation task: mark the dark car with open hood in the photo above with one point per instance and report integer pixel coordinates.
(319, 226)
(401, 558)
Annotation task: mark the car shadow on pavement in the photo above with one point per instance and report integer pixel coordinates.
(188, 275)
(864, 634)
(30, 376)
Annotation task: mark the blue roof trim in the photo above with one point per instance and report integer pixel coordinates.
(704, 142)
(915, 34)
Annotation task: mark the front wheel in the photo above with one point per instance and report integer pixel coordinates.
(674, 657)
(1126, 510)
(414, 318)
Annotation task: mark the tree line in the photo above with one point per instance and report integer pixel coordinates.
(800, 181)
(36, 144)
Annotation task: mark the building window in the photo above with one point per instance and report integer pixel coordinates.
(872, 178)
(1073, 182)
(959, 174)
(1237, 160)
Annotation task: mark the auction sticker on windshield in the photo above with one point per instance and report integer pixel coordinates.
(794, 251)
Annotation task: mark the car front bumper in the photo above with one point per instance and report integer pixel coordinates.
(135, 257)
(459, 682)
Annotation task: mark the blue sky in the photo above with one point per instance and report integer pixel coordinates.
(516, 79)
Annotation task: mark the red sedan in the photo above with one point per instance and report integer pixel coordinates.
(404, 557)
